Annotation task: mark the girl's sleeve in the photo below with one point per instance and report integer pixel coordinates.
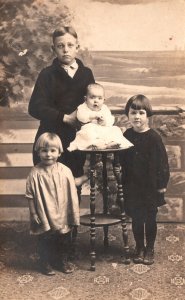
(73, 201)
(29, 188)
(71, 182)
(163, 173)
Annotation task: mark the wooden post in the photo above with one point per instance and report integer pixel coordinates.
(117, 173)
(92, 210)
(105, 198)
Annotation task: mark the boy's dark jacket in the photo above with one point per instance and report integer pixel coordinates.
(55, 94)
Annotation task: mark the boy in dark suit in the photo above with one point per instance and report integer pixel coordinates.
(59, 89)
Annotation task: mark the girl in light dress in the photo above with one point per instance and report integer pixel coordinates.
(53, 203)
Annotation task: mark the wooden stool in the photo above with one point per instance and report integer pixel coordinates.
(104, 219)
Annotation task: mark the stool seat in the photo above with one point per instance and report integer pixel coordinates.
(100, 220)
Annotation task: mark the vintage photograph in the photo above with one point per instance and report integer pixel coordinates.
(92, 149)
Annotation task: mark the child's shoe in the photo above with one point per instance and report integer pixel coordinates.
(139, 255)
(66, 267)
(46, 269)
(149, 256)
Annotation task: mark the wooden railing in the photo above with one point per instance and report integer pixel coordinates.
(17, 132)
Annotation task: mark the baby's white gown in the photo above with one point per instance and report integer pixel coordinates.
(95, 136)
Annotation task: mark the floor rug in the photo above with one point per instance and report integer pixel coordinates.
(112, 280)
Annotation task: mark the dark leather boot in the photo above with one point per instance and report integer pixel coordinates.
(149, 256)
(139, 255)
(65, 266)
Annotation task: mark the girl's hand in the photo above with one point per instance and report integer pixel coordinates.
(35, 218)
(162, 191)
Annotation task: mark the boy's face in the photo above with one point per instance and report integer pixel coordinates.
(95, 98)
(138, 119)
(65, 48)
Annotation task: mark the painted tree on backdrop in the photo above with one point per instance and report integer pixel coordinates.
(25, 32)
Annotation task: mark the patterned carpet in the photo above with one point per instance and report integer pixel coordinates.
(165, 280)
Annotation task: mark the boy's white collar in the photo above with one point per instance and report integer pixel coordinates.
(73, 66)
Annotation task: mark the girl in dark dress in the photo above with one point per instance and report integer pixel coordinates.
(145, 177)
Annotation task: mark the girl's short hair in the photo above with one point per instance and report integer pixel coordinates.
(63, 30)
(48, 139)
(139, 102)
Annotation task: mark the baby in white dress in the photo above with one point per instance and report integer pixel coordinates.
(97, 131)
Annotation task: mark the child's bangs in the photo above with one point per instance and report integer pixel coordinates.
(138, 104)
(49, 143)
(47, 140)
(142, 103)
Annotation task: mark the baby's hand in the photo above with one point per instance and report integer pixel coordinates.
(101, 120)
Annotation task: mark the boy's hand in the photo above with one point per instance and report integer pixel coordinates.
(35, 218)
(71, 119)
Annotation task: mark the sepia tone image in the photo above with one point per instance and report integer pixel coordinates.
(92, 149)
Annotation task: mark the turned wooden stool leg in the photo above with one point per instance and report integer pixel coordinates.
(92, 210)
(117, 172)
(105, 198)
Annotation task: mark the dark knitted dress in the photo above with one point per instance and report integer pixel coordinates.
(145, 170)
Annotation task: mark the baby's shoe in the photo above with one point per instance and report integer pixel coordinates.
(113, 145)
(139, 255)
(149, 256)
(72, 147)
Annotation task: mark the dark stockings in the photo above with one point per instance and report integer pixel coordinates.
(144, 223)
(53, 246)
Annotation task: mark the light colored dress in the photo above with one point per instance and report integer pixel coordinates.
(94, 135)
(55, 198)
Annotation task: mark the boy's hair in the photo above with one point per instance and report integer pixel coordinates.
(63, 30)
(91, 85)
(48, 139)
(139, 102)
